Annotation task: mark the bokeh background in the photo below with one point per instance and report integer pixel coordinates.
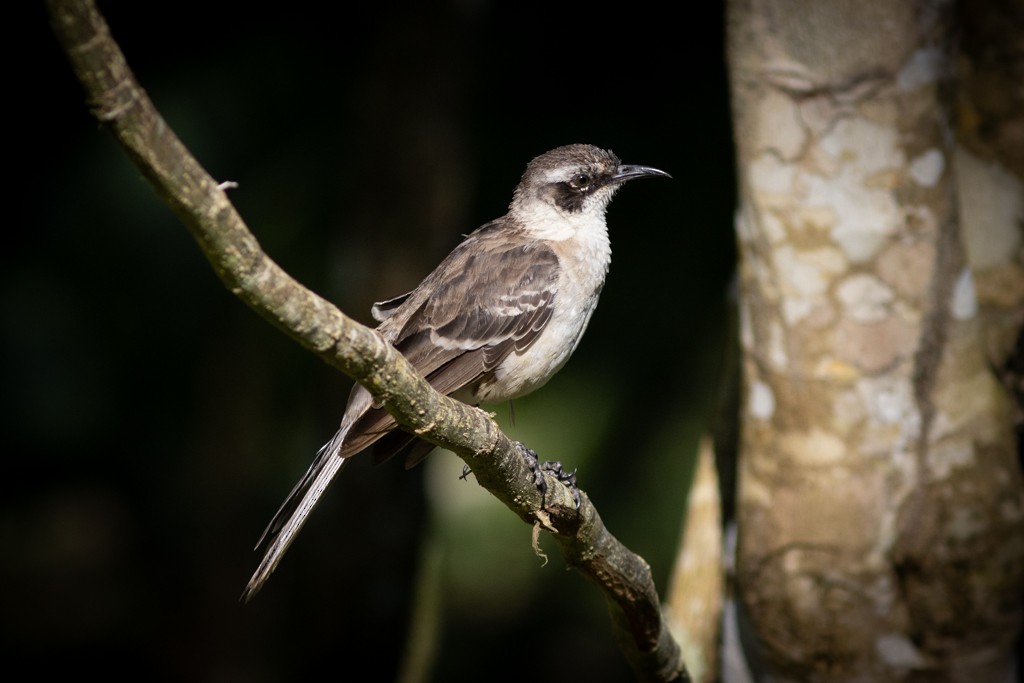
(153, 423)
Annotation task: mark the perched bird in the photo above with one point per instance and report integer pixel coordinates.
(494, 321)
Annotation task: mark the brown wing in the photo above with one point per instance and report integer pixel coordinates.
(492, 296)
(496, 298)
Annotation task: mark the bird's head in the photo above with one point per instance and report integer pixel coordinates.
(575, 180)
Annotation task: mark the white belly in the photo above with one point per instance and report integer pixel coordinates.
(521, 373)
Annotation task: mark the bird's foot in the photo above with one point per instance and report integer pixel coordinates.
(554, 467)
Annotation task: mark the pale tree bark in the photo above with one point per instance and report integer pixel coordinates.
(696, 591)
(880, 498)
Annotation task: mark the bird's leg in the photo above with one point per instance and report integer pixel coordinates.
(530, 456)
(539, 468)
(567, 478)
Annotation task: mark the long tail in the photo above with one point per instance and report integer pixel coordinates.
(296, 508)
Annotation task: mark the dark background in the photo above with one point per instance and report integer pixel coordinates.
(154, 423)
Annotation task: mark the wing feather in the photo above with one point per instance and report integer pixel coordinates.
(492, 296)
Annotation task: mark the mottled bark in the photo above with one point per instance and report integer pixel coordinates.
(880, 500)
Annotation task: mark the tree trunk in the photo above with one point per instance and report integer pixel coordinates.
(880, 498)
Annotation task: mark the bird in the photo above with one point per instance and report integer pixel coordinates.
(494, 321)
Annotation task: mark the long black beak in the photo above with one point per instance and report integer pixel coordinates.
(628, 172)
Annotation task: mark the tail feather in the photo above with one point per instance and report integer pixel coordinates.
(292, 515)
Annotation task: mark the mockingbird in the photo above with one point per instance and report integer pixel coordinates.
(494, 321)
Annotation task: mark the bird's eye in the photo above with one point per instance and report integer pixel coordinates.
(580, 181)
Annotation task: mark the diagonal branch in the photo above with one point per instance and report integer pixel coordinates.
(117, 100)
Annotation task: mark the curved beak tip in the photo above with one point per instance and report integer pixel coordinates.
(630, 171)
